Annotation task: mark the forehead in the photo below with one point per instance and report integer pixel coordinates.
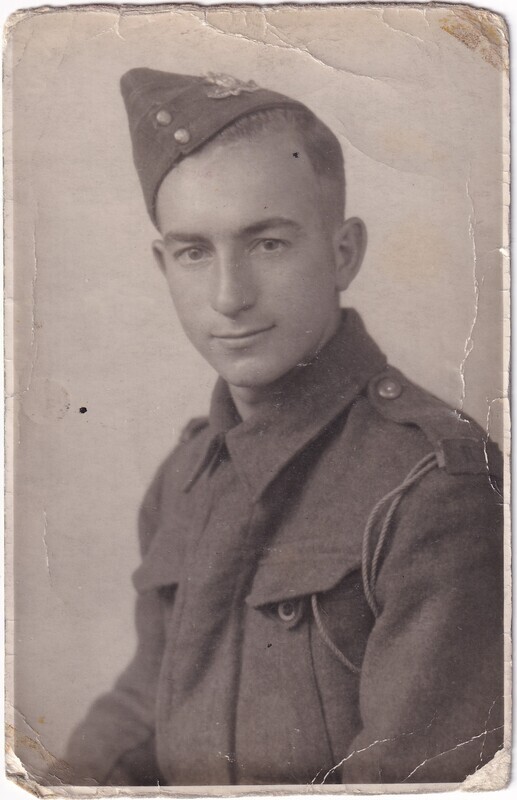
(268, 172)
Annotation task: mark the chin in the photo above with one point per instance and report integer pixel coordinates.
(251, 379)
(250, 383)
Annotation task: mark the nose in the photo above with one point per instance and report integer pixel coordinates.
(232, 285)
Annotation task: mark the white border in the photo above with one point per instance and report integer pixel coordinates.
(508, 8)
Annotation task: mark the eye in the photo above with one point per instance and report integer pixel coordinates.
(192, 255)
(269, 246)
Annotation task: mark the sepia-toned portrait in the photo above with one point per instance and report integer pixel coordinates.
(257, 325)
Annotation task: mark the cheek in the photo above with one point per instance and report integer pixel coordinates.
(309, 290)
(186, 300)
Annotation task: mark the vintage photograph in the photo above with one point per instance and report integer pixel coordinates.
(257, 333)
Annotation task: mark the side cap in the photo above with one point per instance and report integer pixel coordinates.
(171, 115)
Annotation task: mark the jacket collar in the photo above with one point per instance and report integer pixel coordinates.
(315, 394)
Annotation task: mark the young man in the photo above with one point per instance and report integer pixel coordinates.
(320, 595)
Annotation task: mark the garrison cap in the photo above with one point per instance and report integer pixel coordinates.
(171, 116)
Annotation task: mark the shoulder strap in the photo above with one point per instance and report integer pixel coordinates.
(460, 444)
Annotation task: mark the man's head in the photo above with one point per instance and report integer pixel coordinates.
(254, 243)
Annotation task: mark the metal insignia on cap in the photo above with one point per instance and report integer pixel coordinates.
(182, 135)
(163, 117)
(222, 85)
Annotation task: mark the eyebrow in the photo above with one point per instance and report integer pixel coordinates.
(272, 222)
(185, 238)
(249, 230)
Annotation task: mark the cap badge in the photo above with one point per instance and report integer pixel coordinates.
(221, 85)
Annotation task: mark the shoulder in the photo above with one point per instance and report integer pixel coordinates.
(190, 443)
(408, 413)
(443, 509)
(163, 497)
(420, 466)
(192, 429)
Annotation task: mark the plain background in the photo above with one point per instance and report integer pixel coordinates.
(419, 115)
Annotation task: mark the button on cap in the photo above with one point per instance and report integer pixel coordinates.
(389, 389)
(163, 117)
(182, 135)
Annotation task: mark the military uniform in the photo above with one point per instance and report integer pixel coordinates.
(320, 596)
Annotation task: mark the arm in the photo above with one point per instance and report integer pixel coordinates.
(432, 678)
(114, 744)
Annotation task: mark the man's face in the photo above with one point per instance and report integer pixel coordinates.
(253, 268)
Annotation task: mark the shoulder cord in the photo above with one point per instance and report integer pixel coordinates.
(327, 640)
(425, 465)
(369, 575)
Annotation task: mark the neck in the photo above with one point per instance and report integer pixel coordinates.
(249, 399)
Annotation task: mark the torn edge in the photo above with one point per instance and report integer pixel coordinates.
(16, 772)
(477, 28)
(495, 775)
(482, 31)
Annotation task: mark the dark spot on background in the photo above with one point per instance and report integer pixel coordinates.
(83, 410)
(295, 155)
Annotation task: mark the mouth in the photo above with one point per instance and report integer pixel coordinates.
(241, 337)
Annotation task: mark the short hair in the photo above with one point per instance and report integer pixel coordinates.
(319, 142)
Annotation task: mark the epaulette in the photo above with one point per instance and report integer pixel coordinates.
(192, 428)
(459, 443)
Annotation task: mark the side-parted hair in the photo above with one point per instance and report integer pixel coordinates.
(319, 143)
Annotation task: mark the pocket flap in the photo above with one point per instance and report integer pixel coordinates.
(161, 565)
(296, 570)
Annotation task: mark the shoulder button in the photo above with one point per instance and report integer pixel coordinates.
(389, 388)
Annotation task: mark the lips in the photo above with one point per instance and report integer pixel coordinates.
(241, 335)
(237, 340)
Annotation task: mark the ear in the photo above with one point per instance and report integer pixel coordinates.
(349, 246)
(159, 254)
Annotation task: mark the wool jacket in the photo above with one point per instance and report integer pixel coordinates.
(320, 597)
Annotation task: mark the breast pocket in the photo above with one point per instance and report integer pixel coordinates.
(299, 584)
(305, 634)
